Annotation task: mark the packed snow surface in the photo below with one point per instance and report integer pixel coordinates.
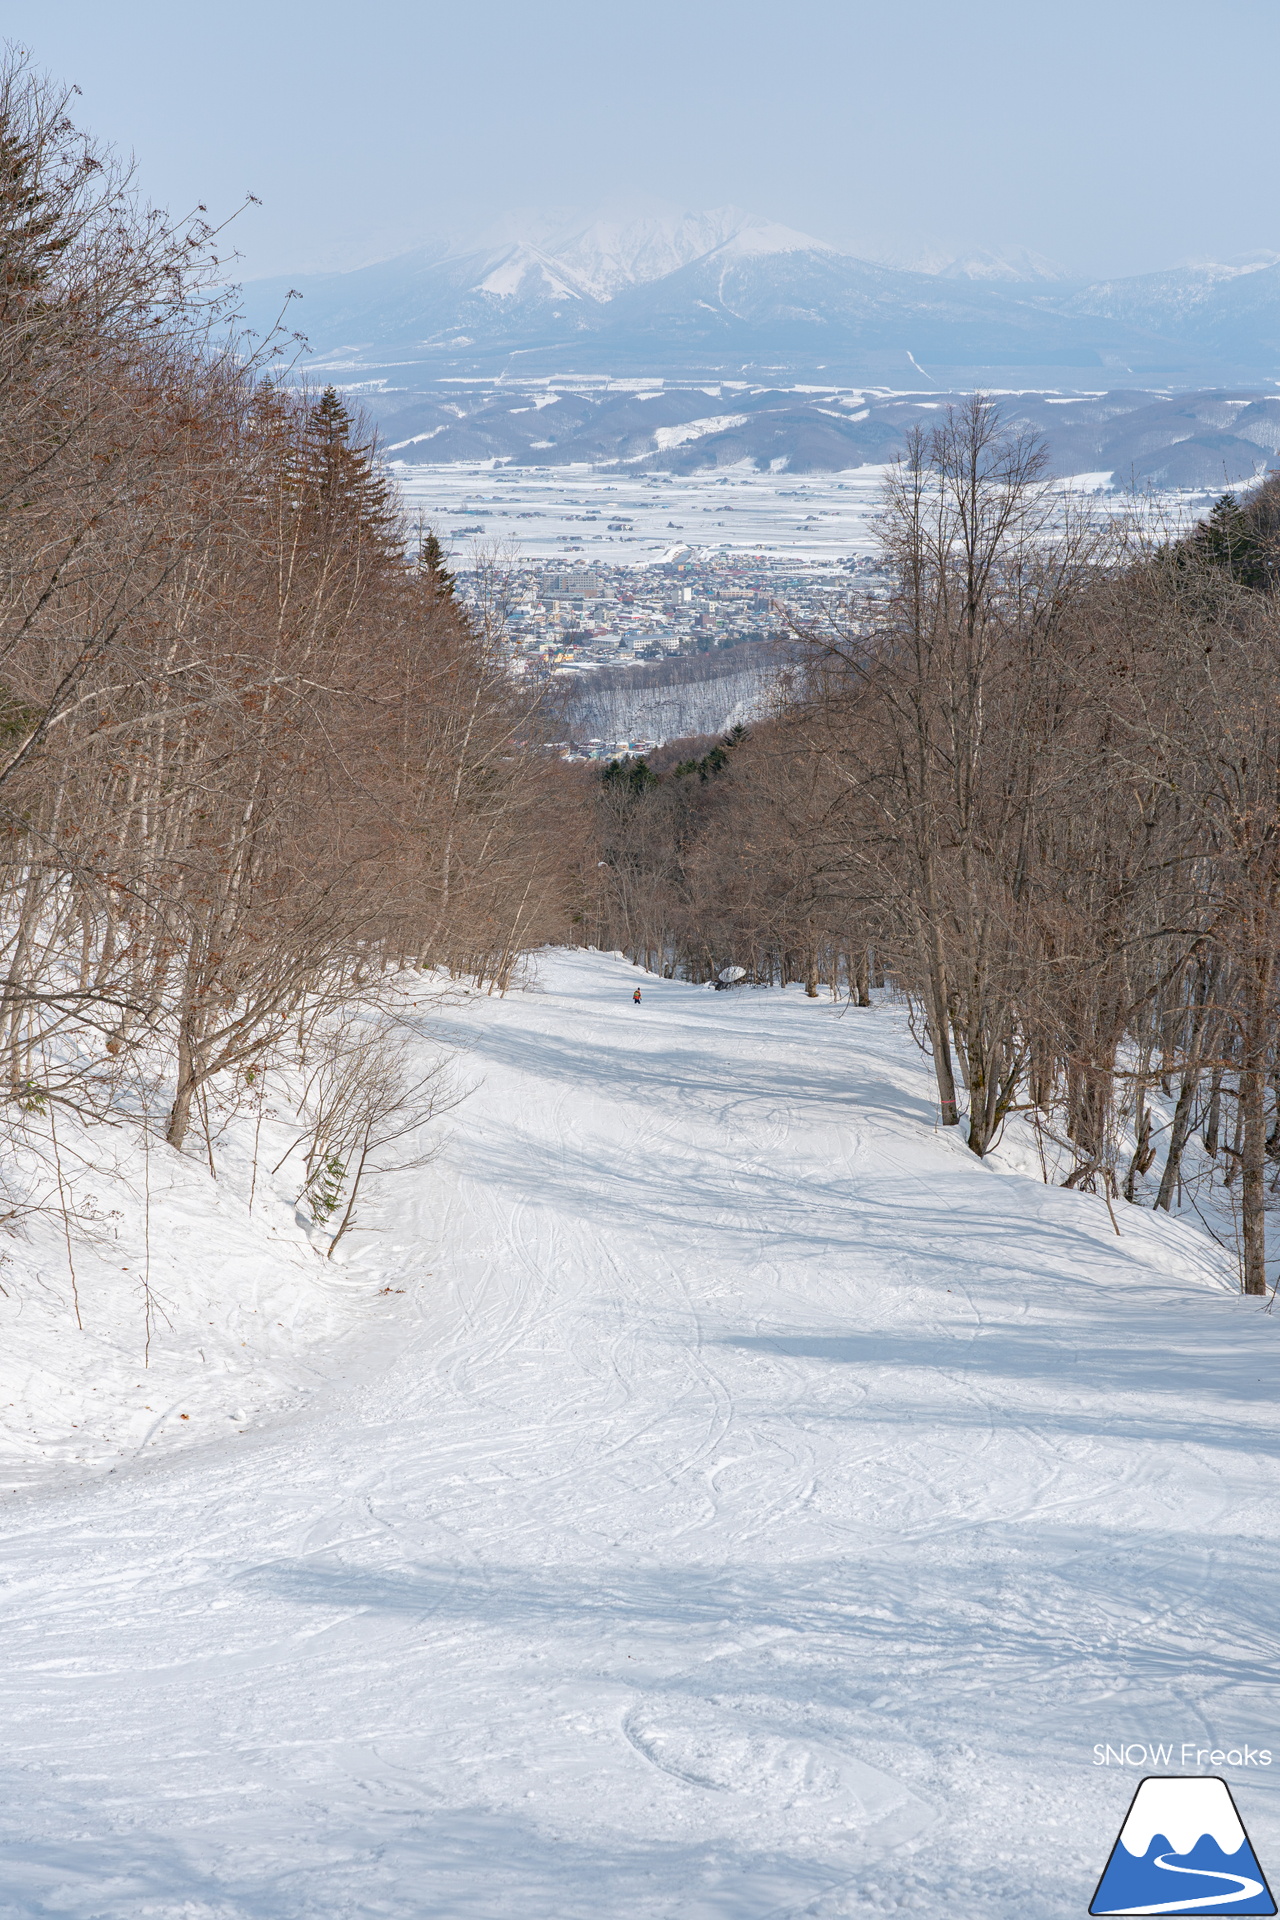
(754, 1507)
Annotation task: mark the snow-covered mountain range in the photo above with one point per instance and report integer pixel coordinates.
(1223, 302)
(607, 255)
(1014, 265)
(659, 293)
(1208, 438)
(703, 339)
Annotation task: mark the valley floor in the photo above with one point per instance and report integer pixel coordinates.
(754, 1507)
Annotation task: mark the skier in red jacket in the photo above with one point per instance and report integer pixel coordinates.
(636, 996)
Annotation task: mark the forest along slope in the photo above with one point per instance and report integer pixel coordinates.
(767, 1509)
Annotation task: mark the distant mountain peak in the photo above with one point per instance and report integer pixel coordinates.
(1009, 263)
(1233, 268)
(727, 288)
(514, 271)
(767, 237)
(614, 252)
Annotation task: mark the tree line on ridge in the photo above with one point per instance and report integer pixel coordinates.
(1037, 788)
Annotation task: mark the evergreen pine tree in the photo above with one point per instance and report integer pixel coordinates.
(630, 776)
(431, 565)
(340, 478)
(1243, 538)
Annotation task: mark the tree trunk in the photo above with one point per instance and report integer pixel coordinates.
(1143, 1153)
(1233, 1151)
(984, 1088)
(1213, 1120)
(811, 967)
(1253, 1091)
(180, 1112)
(939, 1036)
(1179, 1134)
(1255, 1051)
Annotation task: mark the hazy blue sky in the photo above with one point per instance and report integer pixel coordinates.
(1114, 135)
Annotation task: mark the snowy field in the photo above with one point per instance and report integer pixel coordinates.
(553, 513)
(583, 514)
(752, 1507)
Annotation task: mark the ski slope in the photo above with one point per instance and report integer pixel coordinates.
(753, 1507)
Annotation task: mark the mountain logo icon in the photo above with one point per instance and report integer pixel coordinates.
(1183, 1850)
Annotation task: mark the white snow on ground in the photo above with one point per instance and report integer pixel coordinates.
(205, 1303)
(548, 513)
(754, 1507)
(665, 437)
(805, 520)
(243, 1315)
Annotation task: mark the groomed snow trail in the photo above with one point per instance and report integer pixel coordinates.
(759, 1509)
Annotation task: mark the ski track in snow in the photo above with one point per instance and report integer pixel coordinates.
(761, 1512)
